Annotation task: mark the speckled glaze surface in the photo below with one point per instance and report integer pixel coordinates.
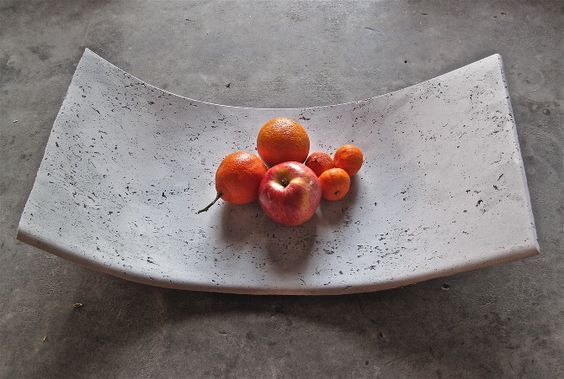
(128, 165)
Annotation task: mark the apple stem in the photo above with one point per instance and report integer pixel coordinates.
(219, 194)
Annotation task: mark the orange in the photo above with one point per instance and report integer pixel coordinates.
(282, 139)
(349, 158)
(237, 178)
(335, 184)
(319, 162)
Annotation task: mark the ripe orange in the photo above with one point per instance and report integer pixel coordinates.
(237, 178)
(335, 184)
(282, 139)
(319, 162)
(349, 158)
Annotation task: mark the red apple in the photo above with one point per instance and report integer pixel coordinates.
(289, 193)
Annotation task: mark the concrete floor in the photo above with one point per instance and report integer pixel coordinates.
(505, 321)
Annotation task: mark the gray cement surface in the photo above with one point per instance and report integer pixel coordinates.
(506, 321)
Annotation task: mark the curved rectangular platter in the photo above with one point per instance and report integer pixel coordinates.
(127, 165)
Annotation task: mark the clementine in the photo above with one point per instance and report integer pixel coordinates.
(335, 184)
(349, 158)
(282, 139)
(237, 178)
(319, 162)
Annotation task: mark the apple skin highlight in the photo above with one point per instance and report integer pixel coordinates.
(289, 193)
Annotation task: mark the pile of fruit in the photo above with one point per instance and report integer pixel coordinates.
(289, 191)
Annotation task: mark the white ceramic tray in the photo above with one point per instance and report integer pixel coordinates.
(127, 165)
